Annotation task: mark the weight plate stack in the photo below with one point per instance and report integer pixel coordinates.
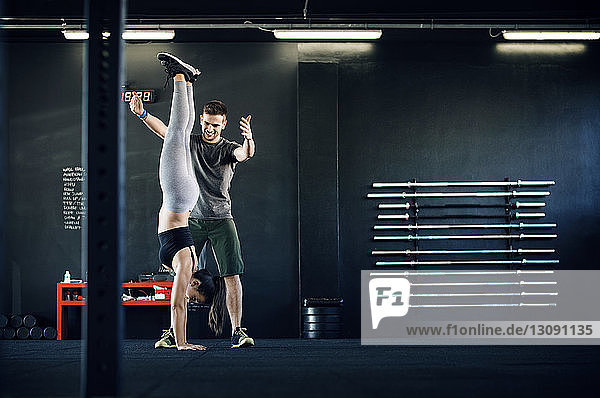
(322, 318)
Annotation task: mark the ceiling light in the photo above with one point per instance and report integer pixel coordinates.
(313, 34)
(529, 48)
(545, 35)
(127, 35)
(76, 34)
(148, 35)
(80, 34)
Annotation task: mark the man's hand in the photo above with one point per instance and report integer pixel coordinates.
(246, 151)
(135, 105)
(188, 346)
(245, 127)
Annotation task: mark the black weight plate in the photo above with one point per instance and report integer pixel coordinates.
(322, 318)
(22, 333)
(321, 310)
(322, 335)
(29, 321)
(9, 333)
(16, 321)
(3, 321)
(309, 327)
(36, 333)
(50, 333)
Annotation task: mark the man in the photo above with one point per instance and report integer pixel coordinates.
(214, 159)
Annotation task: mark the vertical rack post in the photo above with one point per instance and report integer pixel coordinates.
(103, 240)
(508, 221)
(415, 206)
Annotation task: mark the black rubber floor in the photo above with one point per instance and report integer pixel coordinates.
(310, 368)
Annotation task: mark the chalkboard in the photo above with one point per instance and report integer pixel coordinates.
(74, 201)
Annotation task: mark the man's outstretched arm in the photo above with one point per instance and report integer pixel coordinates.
(152, 122)
(246, 151)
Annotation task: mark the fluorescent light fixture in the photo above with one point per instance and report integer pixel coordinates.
(76, 34)
(547, 35)
(528, 48)
(127, 35)
(148, 35)
(313, 34)
(80, 34)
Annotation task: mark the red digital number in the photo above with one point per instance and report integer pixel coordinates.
(145, 96)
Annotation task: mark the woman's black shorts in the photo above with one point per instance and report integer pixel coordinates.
(171, 241)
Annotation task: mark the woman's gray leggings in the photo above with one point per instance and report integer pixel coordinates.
(176, 173)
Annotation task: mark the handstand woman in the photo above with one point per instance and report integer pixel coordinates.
(180, 193)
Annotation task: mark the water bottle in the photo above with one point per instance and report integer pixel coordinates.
(67, 277)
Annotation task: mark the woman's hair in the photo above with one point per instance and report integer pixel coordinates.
(213, 290)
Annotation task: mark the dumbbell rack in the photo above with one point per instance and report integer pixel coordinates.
(514, 197)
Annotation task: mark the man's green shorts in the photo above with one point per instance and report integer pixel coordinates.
(223, 237)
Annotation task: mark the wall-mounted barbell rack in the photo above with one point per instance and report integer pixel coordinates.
(483, 288)
(506, 190)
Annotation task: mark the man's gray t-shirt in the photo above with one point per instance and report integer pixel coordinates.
(214, 165)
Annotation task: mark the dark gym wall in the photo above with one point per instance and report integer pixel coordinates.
(469, 111)
(257, 79)
(44, 126)
(45, 136)
(318, 179)
(427, 110)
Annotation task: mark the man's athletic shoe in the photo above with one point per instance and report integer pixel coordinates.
(174, 65)
(241, 339)
(167, 340)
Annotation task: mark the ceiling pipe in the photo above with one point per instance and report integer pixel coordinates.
(430, 25)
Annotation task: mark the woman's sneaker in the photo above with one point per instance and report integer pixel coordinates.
(241, 339)
(174, 65)
(167, 340)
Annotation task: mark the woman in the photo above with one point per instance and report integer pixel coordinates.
(180, 193)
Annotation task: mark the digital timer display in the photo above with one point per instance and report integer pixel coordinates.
(146, 95)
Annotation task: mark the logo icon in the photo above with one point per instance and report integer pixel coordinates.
(389, 297)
